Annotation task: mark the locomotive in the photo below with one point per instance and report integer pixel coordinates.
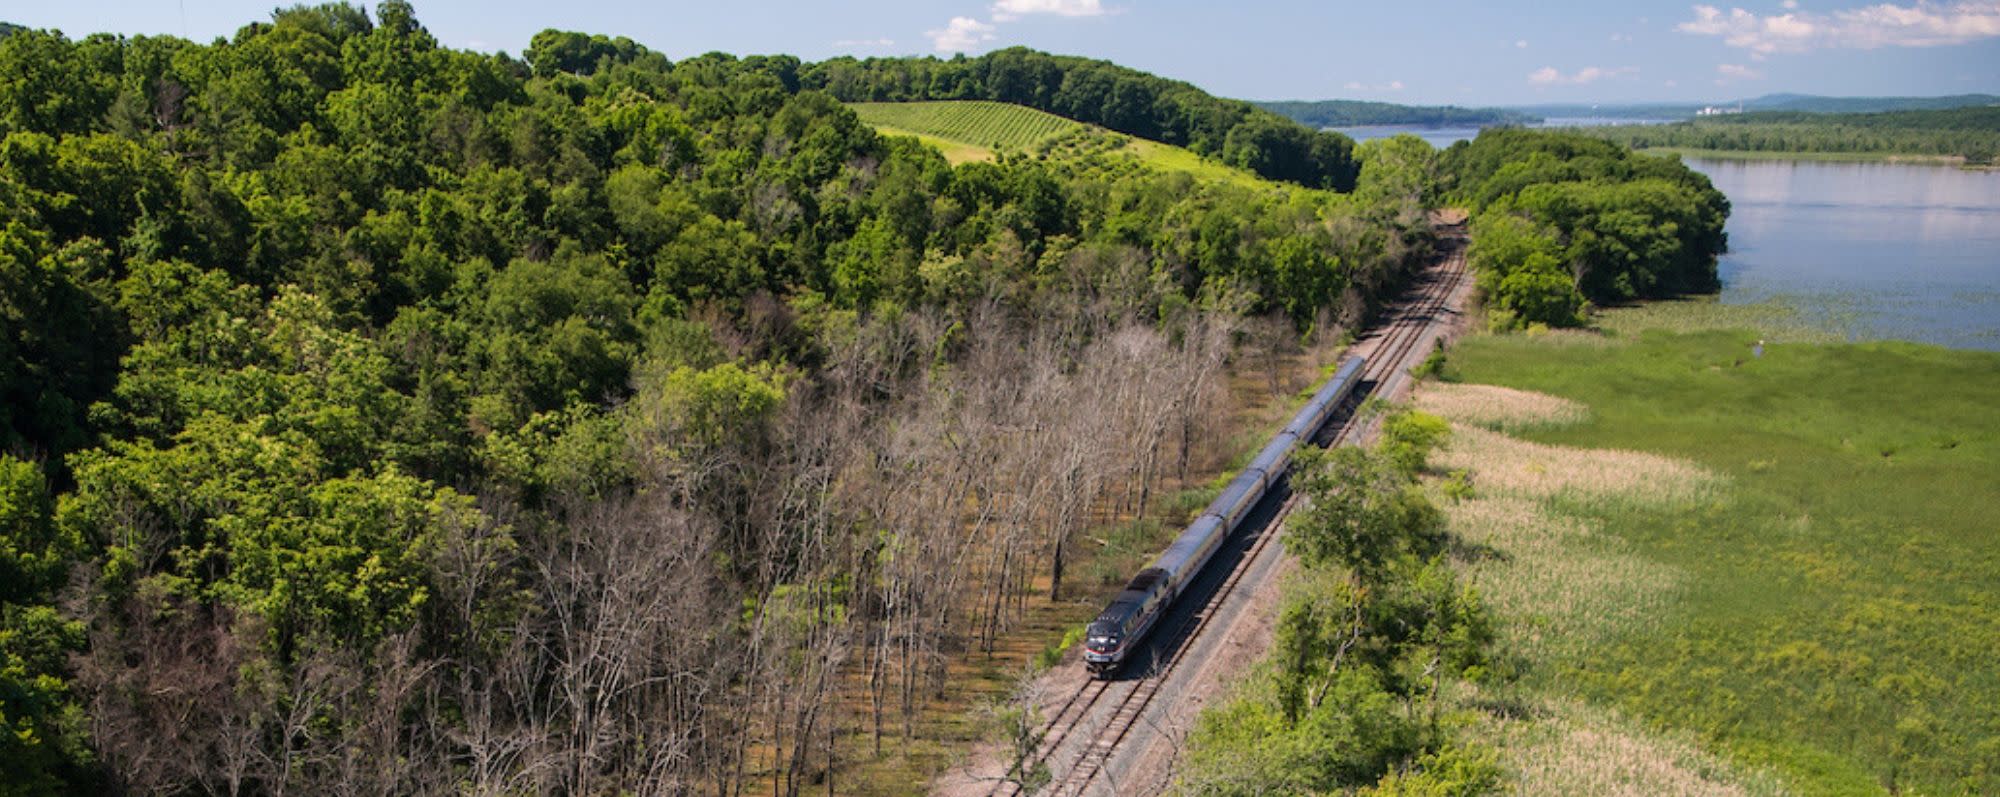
(1117, 631)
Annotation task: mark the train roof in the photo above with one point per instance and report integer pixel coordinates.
(1144, 583)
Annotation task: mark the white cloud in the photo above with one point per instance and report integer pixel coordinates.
(1672, 83)
(1521, 43)
(1921, 24)
(960, 34)
(1790, 5)
(1008, 10)
(1356, 85)
(866, 43)
(1550, 76)
(1738, 72)
(1620, 37)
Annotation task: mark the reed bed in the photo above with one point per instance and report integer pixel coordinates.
(1500, 409)
(1776, 321)
(1503, 465)
(1566, 747)
(1558, 583)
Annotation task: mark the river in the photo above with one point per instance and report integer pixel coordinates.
(1873, 250)
(1878, 250)
(1442, 137)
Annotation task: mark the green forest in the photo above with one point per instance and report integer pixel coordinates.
(1563, 222)
(378, 416)
(1970, 133)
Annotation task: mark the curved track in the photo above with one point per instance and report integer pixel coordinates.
(1084, 739)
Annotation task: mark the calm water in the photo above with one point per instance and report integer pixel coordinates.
(1878, 250)
(1441, 137)
(1874, 250)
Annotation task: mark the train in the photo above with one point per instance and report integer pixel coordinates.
(1118, 630)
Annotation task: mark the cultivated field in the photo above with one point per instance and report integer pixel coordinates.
(976, 130)
(1787, 564)
(987, 125)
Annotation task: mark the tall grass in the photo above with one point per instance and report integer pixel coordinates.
(1813, 590)
(1568, 747)
(1498, 408)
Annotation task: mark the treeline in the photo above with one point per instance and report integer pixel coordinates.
(1969, 133)
(1108, 95)
(1353, 113)
(1562, 221)
(1369, 631)
(379, 417)
(1809, 103)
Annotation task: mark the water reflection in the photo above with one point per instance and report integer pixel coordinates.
(1882, 250)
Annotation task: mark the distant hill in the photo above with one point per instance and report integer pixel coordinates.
(1355, 113)
(1968, 133)
(1807, 103)
(1985, 119)
(1634, 112)
(8, 28)
(1801, 103)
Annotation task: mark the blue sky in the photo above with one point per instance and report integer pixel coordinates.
(1462, 52)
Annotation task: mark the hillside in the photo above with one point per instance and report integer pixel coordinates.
(981, 126)
(971, 131)
(1355, 113)
(1102, 93)
(1808, 103)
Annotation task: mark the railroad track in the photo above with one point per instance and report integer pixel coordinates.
(1397, 338)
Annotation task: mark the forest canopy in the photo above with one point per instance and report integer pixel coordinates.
(382, 417)
(377, 416)
(1562, 221)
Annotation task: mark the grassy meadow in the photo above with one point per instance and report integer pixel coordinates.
(1775, 574)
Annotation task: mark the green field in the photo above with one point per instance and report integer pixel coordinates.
(968, 131)
(987, 125)
(1822, 604)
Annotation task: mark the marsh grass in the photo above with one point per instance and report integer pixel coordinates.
(1577, 476)
(1499, 409)
(1558, 583)
(1558, 746)
(1774, 321)
(1792, 558)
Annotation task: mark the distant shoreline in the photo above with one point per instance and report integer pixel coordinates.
(1823, 157)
